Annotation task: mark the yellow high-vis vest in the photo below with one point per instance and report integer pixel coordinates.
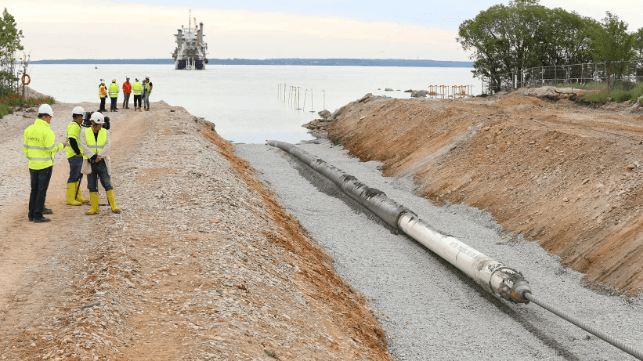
(96, 146)
(113, 90)
(73, 131)
(137, 88)
(102, 91)
(39, 145)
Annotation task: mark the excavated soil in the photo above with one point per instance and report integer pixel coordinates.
(203, 263)
(566, 176)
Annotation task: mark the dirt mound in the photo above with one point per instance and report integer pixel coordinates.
(567, 176)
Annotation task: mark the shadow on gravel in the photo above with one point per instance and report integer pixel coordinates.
(329, 188)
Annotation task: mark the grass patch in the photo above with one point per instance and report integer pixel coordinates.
(616, 95)
(8, 103)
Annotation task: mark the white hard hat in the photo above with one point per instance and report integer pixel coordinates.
(97, 118)
(102, 80)
(78, 111)
(46, 109)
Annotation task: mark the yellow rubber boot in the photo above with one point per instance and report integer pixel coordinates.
(112, 202)
(93, 196)
(79, 197)
(71, 194)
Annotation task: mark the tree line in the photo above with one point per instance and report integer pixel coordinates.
(524, 34)
(9, 45)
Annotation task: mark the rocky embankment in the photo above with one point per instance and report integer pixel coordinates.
(202, 264)
(549, 170)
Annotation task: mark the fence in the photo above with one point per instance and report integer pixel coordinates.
(625, 74)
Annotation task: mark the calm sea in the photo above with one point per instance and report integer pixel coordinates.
(243, 100)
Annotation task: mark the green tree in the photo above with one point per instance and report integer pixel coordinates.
(637, 46)
(523, 34)
(612, 44)
(9, 43)
(611, 41)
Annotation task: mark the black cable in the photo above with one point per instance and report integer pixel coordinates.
(594, 331)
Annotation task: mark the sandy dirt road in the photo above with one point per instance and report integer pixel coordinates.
(202, 264)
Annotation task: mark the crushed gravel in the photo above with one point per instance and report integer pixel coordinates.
(428, 308)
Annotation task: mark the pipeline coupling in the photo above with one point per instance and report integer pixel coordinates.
(514, 286)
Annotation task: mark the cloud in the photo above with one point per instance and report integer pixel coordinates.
(97, 29)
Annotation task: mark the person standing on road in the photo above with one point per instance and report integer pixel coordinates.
(39, 147)
(148, 91)
(113, 94)
(96, 147)
(102, 94)
(137, 88)
(127, 89)
(75, 158)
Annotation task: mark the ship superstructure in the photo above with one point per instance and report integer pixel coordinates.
(191, 51)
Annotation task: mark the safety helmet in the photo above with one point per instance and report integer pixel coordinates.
(102, 80)
(113, 80)
(97, 118)
(77, 111)
(46, 109)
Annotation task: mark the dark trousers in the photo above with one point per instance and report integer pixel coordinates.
(137, 100)
(113, 107)
(39, 185)
(102, 105)
(99, 170)
(126, 100)
(75, 164)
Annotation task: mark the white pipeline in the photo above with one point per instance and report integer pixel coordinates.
(492, 275)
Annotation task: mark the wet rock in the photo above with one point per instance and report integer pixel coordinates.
(325, 114)
(420, 93)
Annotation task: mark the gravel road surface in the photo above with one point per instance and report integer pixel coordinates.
(428, 308)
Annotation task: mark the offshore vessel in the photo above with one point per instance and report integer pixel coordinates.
(191, 51)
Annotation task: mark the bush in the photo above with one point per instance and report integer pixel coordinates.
(617, 95)
(11, 101)
(4, 110)
(637, 92)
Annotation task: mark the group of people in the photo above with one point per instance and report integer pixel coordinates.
(87, 153)
(141, 94)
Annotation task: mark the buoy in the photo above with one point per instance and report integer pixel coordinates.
(26, 82)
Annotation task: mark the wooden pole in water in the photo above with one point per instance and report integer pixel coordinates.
(305, 93)
(284, 92)
(312, 101)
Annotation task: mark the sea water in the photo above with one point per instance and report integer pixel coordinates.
(246, 102)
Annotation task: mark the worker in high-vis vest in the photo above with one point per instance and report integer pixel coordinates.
(137, 89)
(113, 94)
(39, 147)
(148, 92)
(102, 94)
(75, 158)
(96, 146)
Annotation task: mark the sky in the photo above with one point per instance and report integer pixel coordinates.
(254, 29)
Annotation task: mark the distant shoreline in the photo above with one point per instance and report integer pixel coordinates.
(311, 62)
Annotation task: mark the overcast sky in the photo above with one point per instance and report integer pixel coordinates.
(137, 29)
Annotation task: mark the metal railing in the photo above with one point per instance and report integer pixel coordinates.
(623, 74)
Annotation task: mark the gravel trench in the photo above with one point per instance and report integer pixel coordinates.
(428, 308)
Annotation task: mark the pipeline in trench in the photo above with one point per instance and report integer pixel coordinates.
(493, 276)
